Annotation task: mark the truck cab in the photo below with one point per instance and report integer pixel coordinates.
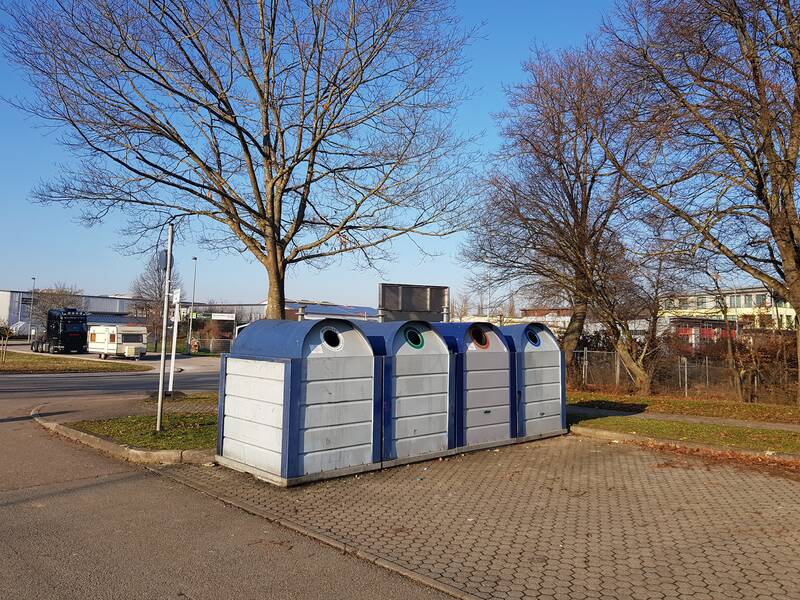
(65, 332)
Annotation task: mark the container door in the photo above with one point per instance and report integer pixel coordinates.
(336, 398)
(541, 380)
(420, 399)
(487, 400)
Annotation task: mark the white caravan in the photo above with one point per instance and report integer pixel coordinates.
(129, 341)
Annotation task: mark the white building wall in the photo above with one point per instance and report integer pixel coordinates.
(5, 307)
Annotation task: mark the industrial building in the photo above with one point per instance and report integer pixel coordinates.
(15, 309)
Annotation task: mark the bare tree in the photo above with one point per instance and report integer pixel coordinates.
(731, 339)
(628, 299)
(511, 306)
(5, 334)
(295, 131)
(148, 290)
(461, 306)
(555, 205)
(59, 295)
(715, 86)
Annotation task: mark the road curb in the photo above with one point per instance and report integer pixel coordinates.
(134, 455)
(330, 541)
(614, 436)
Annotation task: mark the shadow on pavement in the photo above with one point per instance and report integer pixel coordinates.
(30, 418)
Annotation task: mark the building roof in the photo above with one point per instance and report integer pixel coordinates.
(327, 308)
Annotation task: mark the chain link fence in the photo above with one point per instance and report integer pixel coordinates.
(771, 383)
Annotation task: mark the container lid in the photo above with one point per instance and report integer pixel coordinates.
(529, 336)
(458, 339)
(383, 336)
(269, 338)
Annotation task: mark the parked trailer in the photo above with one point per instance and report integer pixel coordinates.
(127, 341)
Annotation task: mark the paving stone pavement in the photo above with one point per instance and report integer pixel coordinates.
(563, 518)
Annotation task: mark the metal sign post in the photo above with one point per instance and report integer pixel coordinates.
(167, 267)
(176, 300)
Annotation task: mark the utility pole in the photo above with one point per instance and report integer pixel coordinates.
(168, 273)
(191, 310)
(30, 311)
(176, 319)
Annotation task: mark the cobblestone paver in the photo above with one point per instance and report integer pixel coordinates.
(562, 518)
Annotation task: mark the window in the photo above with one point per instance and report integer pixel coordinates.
(132, 338)
(112, 338)
(748, 301)
(761, 299)
(733, 301)
(93, 337)
(683, 303)
(702, 302)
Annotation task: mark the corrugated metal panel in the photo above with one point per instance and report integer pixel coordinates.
(420, 386)
(487, 399)
(541, 379)
(253, 419)
(336, 408)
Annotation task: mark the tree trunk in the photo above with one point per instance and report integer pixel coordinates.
(276, 294)
(574, 331)
(736, 377)
(797, 339)
(641, 378)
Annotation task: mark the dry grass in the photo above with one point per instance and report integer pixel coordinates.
(180, 431)
(723, 436)
(711, 407)
(23, 362)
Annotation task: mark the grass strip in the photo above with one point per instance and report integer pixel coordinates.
(204, 398)
(766, 413)
(180, 431)
(740, 438)
(25, 363)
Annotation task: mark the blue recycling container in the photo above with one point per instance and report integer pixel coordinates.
(418, 394)
(484, 410)
(538, 380)
(300, 400)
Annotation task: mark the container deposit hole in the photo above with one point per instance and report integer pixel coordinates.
(533, 338)
(479, 337)
(331, 338)
(414, 338)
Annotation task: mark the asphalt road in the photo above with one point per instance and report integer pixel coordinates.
(77, 524)
(93, 384)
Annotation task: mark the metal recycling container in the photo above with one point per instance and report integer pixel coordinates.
(418, 396)
(539, 380)
(482, 374)
(299, 400)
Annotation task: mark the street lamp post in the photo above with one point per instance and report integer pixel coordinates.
(191, 310)
(30, 311)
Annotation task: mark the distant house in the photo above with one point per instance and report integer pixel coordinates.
(697, 317)
(751, 307)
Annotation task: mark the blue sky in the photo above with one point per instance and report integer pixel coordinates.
(47, 241)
